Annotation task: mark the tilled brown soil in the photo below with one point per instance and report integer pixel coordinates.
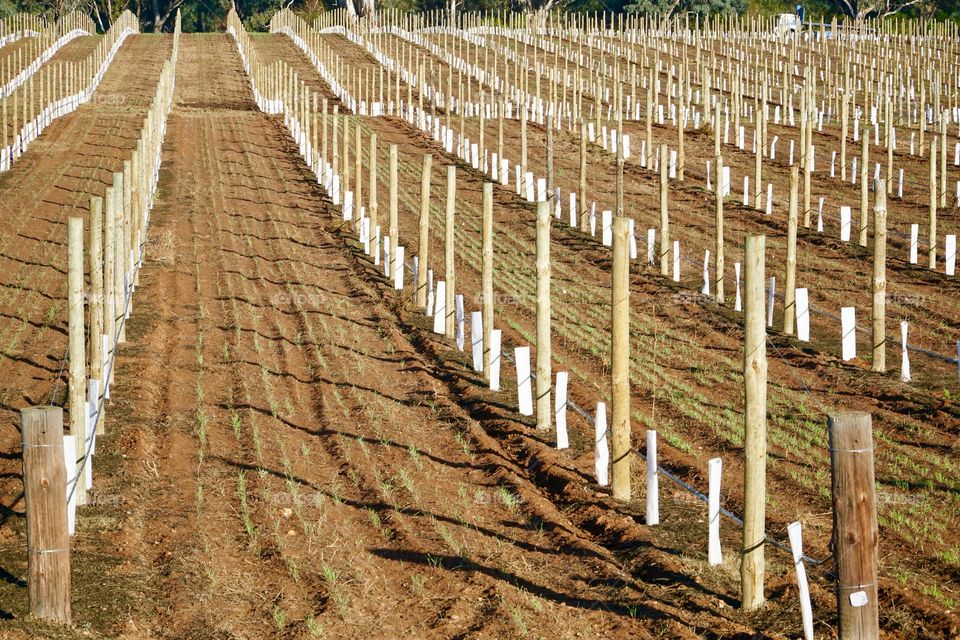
(285, 458)
(291, 453)
(691, 394)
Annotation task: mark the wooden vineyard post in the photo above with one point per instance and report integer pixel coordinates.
(620, 360)
(718, 244)
(345, 168)
(855, 533)
(76, 347)
(755, 424)
(128, 235)
(424, 247)
(358, 171)
(109, 299)
(374, 208)
(335, 152)
(844, 117)
(932, 251)
(945, 116)
(523, 140)
(449, 270)
(789, 291)
(48, 543)
(394, 232)
(544, 372)
(582, 189)
(120, 308)
(96, 297)
(807, 169)
(664, 214)
(880, 278)
(487, 275)
(681, 152)
(864, 174)
(619, 177)
(550, 182)
(758, 169)
(324, 126)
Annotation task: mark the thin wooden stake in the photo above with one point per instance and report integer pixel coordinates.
(449, 229)
(755, 425)
(880, 278)
(544, 369)
(423, 248)
(487, 276)
(620, 360)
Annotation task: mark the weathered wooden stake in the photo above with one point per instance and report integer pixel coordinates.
(620, 359)
(96, 297)
(664, 214)
(44, 483)
(582, 188)
(855, 533)
(449, 269)
(789, 306)
(373, 208)
(932, 251)
(880, 278)
(394, 233)
(423, 248)
(486, 280)
(718, 266)
(544, 351)
(864, 176)
(119, 261)
(76, 347)
(755, 425)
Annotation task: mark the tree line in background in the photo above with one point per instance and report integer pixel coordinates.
(210, 15)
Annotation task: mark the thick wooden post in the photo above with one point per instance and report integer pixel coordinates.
(620, 360)
(550, 177)
(844, 117)
(523, 140)
(880, 278)
(582, 187)
(44, 483)
(128, 240)
(324, 126)
(544, 352)
(358, 170)
(119, 261)
(755, 424)
(864, 184)
(855, 533)
(790, 282)
(807, 168)
(335, 148)
(758, 169)
(486, 278)
(424, 247)
(374, 209)
(944, 118)
(932, 251)
(96, 297)
(718, 265)
(449, 269)
(109, 298)
(394, 232)
(664, 214)
(76, 347)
